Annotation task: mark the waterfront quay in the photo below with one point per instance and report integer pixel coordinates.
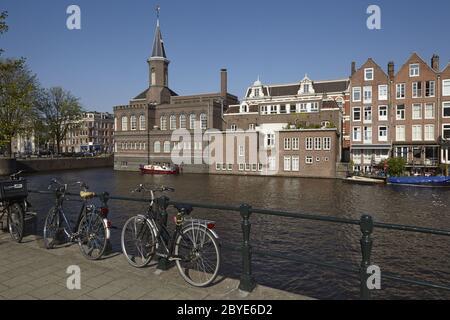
(30, 272)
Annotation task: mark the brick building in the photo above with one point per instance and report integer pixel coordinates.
(287, 130)
(145, 126)
(93, 133)
(408, 112)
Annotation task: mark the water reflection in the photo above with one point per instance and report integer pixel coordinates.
(413, 255)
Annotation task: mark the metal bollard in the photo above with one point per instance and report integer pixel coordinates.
(366, 225)
(247, 282)
(163, 204)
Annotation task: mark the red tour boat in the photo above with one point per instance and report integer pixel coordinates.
(157, 169)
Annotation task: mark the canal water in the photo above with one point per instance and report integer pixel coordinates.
(410, 255)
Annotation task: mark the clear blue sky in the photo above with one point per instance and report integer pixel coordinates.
(105, 63)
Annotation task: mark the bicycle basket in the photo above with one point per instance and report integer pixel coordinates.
(11, 190)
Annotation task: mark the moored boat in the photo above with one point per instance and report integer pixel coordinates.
(432, 181)
(365, 180)
(157, 169)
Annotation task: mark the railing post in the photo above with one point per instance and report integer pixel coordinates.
(247, 282)
(163, 203)
(366, 225)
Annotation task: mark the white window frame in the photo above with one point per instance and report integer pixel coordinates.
(241, 151)
(366, 96)
(400, 90)
(416, 134)
(317, 143)
(432, 89)
(397, 115)
(295, 163)
(163, 123)
(326, 143)
(445, 127)
(417, 115)
(429, 134)
(446, 87)
(354, 91)
(309, 160)
(353, 114)
(192, 120)
(133, 123)
(380, 116)
(287, 164)
(233, 127)
(203, 121)
(382, 138)
(367, 138)
(359, 135)
(366, 71)
(142, 123)
(167, 147)
(183, 121)
(427, 109)
(399, 137)
(124, 123)
(241, 166)
(270, 140)
(445, 105)
(157, 147)
(412, 68)
(383, 88)
(287, 143)
(173, 122)
(309, 143)
(295, 144)
(367, 117)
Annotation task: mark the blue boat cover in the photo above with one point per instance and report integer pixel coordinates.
(419, 180)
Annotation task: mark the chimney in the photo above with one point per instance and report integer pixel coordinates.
(353, 71)
(223, 83)
(435, 63)
(391, 70)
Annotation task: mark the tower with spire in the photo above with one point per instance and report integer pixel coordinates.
(159, 92)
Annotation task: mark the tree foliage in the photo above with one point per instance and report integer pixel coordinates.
(3, 25)
(18, 87)
(396, 166)
(58, 110)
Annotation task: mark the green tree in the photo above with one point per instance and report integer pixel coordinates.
(59, 111)
(18, 88)
(396, 166)
(3, 25)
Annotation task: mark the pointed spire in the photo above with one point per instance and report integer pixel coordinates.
(158, 43)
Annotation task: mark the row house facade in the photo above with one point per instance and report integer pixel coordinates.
(404, 114)
(145, 127)
(286, 130)
(93, 133)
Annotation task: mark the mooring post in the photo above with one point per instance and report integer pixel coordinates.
(366, 225)
(247, 282)
(163, 204)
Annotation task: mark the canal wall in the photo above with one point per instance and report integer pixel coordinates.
(7, 166)
(42, 165)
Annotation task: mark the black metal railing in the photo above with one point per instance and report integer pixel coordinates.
(366, 224)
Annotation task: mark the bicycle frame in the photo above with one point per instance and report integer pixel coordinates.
(60, 197)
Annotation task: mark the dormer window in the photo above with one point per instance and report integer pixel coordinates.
(244, 108)
(306, 86)
(256, 92)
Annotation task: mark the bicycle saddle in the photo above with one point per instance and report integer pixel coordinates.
(184, 209)
(87, 195)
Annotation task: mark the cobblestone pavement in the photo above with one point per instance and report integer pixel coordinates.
(29, 271)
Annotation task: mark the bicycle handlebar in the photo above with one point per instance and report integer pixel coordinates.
(14, 175)
(65, 185)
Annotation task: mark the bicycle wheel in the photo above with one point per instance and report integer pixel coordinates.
(92, 233)
(51, 228)
(138, 241)
(16, 222)
(200, 255)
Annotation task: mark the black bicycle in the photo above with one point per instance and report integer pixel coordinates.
(14, 204)
(91, 230)
(194, 245)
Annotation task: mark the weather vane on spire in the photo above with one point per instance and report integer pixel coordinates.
(158, 9)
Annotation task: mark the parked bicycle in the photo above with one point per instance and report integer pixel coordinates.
(92, 228)
(14, 204)
(194, 245)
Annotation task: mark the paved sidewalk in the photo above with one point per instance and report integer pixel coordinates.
(28, 271)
